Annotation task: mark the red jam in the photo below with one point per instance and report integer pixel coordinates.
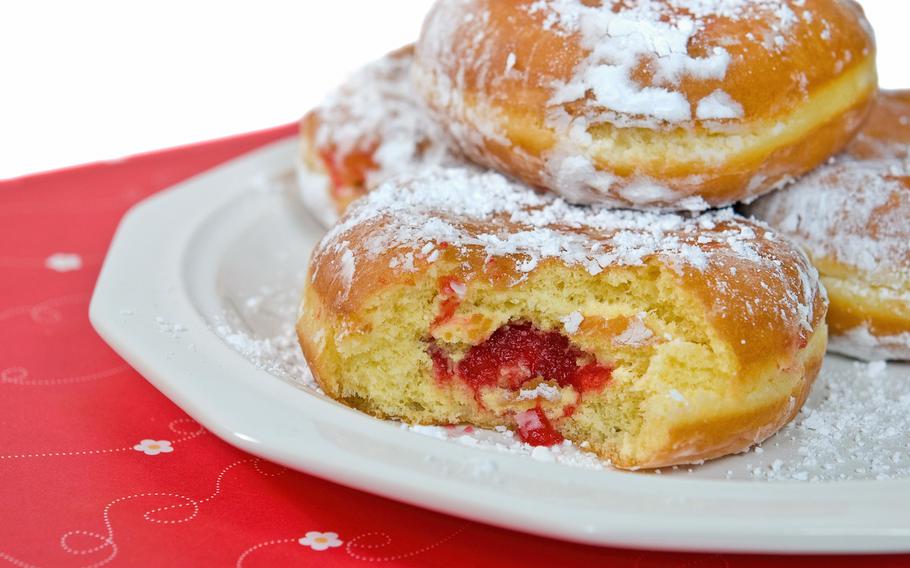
(516, 354)
(535, 428)
(447, 309)
(442, 365)
(592, 378)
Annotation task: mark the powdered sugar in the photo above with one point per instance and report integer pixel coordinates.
(505, 441)
(569, 13)
(543, 390)
(875, 368)
(717, 106)
(261, 328)
(572, 321)
(616, 43)
(855, 428)
(636, 333)
(279, 354)
(852, 211)
(677, 396)
(448, 205)
(348, 265)
(377, 113)
(662, 65)
(660, 32)
(860, 343)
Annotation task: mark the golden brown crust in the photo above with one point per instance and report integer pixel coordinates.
(735, 433)
(851, 217)
(766, 81)
(736, 307)
(886, 134)
(492, 78)
(748, 298)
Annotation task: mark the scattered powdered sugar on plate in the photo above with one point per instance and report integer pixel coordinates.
(276, 351)
(279, 355)
(504, 440)
(166, 327)
(854, 425)
(855, 428)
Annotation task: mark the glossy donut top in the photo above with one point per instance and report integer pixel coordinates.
(656, 64)
(855, 210)
(758, 292)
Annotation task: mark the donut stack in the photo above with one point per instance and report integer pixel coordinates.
(533, 226)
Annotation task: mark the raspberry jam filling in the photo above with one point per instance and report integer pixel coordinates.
(516, 354)
(535, 428)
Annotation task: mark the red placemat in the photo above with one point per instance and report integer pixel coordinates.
(98, 468)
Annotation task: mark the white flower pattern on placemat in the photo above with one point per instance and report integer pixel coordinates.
(154, 447)
(320, 540)
(175, 427)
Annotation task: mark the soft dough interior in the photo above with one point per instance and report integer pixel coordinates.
(673, 381)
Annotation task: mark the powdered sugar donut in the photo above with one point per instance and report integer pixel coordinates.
(886, 134)
(456, 296)
(370, 129)
(853, 218)
(673, 104)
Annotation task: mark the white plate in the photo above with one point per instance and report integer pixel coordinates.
(186, 259)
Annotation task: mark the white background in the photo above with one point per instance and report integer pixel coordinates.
(86, 80)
